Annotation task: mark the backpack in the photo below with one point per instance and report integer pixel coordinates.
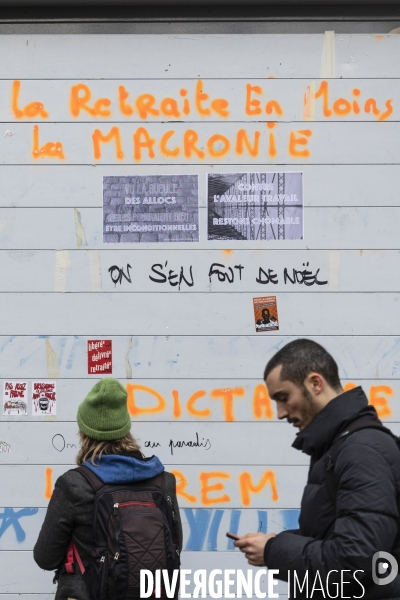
(365, 422)
(134, 528)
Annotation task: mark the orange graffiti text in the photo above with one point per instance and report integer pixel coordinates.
(262, 406)
(227, 395)
(31, 110)
(181, 484)
(80, 98)
(48, 150)
(247, 486)
(135, 410)
(48, 488)
(342, 107)
(376, 399)
(211, 486)
(98, 137)
(206, 488)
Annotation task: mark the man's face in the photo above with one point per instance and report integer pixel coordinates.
(265, 314)
(293, 403)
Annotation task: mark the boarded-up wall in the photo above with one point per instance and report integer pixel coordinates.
(187, 348)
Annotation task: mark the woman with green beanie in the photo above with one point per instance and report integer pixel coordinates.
(109, 451)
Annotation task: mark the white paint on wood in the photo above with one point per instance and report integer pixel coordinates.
(256, 55)
(56, 95)
(344, 270)
(189, 342)
(325, 228)
(204, 529)
(214, 357)
(324, 185)
(197, 314)
(289, 481)
(328, 143)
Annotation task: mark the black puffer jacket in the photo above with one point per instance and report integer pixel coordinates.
(367, 474)
(70, 515)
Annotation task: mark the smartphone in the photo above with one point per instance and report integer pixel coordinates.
(232, 536)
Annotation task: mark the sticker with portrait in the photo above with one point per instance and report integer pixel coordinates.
(265, 314)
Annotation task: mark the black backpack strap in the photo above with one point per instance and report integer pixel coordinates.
(91, 477)
(157, 481)
(365, 422)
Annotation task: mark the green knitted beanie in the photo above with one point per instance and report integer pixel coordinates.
(103, 415)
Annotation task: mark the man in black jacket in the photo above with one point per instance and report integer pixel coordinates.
(340, 529)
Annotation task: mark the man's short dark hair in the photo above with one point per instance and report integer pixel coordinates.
(302, 357)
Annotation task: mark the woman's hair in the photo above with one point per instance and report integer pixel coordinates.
(93, 449)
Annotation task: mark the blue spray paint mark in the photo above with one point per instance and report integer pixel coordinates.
(291, 518)
(262, 521)
(11, 518)
(198, 523)
(72, 353)
(213, 533)
(38, 348)
(233, 526)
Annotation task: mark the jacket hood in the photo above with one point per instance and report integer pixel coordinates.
(318, 436)
(117, 468)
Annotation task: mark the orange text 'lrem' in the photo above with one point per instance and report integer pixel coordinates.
(212, 487)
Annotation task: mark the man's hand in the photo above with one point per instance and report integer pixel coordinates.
(253, 544)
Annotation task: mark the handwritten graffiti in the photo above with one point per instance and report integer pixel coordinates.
(268, 276)
(174, 444)
(207, 527)
(222, 272)
(342, 107)
(212, 484)
(377, 398)
(188, 102)
(194, 100)
(203, 443)
(305, 276)
(58, 442)
(117, 273)
(48, 488)
(150, 444)
(298, 276)
(218, 272)
(200, 405)
(172, 276)
(10, 518)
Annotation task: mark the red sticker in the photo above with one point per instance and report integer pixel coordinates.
(99, 357)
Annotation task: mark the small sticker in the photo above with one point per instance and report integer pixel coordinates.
(4, 447)
(265, 314)
(99, 357)
(44, 398)
(15, 398)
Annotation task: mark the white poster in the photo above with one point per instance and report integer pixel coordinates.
(255, 206)
(44, 398)
(15, 398)
(150, 208)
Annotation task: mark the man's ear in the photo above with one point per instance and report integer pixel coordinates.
(315, 383)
